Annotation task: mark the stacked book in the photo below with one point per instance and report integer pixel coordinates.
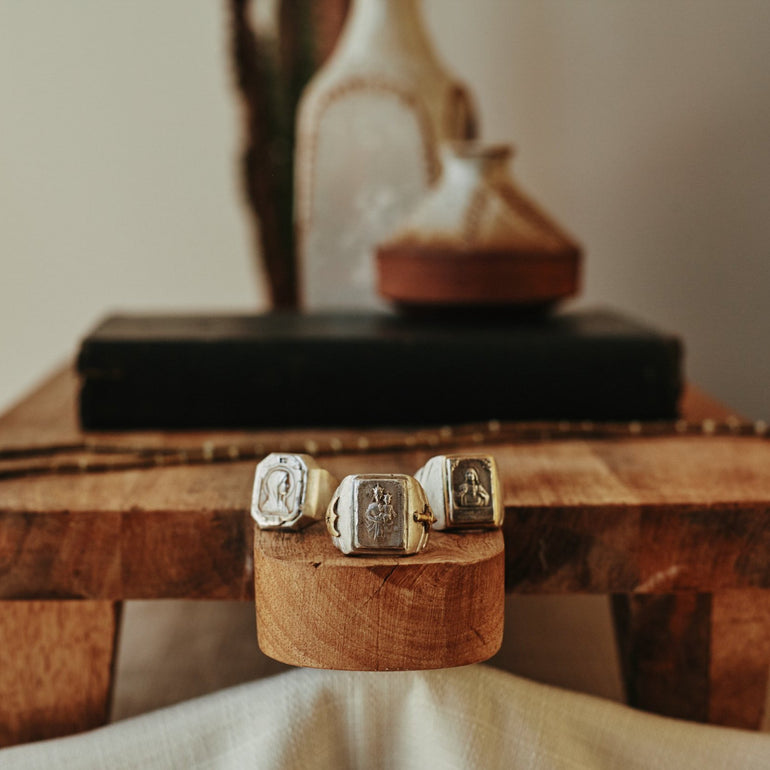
(292, 369)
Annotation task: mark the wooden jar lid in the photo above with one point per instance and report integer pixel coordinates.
(417, 275)
(440, 608)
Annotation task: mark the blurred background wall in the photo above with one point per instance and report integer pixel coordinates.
(642, 125)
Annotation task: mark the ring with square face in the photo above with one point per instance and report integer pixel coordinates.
(383, 514)
(463, 491)
(290, 491)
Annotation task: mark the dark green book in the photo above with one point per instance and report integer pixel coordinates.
(291, 369)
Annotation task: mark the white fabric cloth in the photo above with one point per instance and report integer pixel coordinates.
(471, 717)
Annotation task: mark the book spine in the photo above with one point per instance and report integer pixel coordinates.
(381, 382)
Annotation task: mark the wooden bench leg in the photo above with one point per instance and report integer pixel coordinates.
(740, 658)
(56, 667)
(664, 646)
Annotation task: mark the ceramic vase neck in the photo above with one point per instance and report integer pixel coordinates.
(386, 25)
(476, 162)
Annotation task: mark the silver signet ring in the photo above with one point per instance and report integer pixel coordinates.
(290, 491)
(379, 515)
(464, 491)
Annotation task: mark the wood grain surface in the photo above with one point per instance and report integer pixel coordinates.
(55, 667)
(442, 607)
(739, 658)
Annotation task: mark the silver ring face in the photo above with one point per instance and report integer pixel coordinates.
(463, 490)
(280, 490)
(379, 514)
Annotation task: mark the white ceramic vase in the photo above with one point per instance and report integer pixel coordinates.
(368, 131)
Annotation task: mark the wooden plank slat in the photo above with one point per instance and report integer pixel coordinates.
(188, 554)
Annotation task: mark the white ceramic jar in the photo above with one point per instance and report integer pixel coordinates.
(368, 130)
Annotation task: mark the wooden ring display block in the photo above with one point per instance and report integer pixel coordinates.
(440, 608)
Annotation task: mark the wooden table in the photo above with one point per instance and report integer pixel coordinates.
(675, 526)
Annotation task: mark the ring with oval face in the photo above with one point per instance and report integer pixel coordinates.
(383, 514)
(463, 491)
(290, 491)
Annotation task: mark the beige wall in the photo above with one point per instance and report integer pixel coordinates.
(118, 138)
(642, 125)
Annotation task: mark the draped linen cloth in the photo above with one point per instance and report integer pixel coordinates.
(470, 717)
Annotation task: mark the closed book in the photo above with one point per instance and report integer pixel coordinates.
(332, 369)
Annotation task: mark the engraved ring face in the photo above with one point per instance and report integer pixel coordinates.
(379, 506)
(280, 487)
(463, 490)
(469, 481)
(385, 514)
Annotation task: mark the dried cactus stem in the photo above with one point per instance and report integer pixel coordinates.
(270, 71)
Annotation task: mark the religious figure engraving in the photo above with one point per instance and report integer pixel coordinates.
(379, 514)
(277, 493)
(471, 493)
(280, 485)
